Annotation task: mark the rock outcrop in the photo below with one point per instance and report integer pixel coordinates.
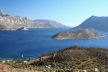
(80, 34)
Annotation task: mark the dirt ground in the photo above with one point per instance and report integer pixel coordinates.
(7, 68)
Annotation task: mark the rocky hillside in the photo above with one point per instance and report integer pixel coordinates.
(95, 23)
(75, 59)
(9, 22)
(80, 34)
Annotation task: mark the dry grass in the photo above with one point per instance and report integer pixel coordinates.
(7, 68)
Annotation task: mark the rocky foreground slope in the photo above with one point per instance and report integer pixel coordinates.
(9, 22)
(74, 59)
(80, 34)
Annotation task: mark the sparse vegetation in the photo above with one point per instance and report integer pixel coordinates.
(72, 59)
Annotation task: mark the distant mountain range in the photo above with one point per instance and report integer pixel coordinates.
(95, 23)
(9, 22)
(48, 23)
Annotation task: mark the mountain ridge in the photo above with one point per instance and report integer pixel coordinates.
(47, 23)
(99, 23)
(9, 22)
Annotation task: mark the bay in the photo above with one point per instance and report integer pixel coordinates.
(37, 42)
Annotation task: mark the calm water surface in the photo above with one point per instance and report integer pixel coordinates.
(36, 42)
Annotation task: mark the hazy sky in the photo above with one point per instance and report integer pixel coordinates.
(69, 12)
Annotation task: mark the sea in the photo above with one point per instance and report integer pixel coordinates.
(34, 43)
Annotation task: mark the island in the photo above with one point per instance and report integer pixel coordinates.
(79, 34)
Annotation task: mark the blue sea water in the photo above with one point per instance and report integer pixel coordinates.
(36, 42)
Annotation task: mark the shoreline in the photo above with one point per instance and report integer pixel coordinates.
(79, 38)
